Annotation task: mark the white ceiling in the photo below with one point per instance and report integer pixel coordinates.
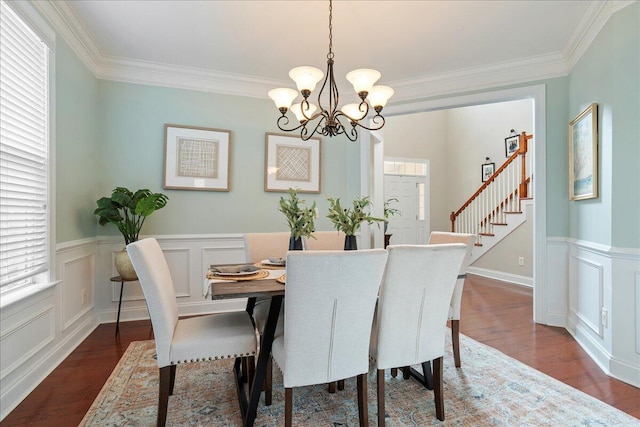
(420, 47)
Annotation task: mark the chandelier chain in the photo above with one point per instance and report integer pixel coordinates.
(330, 54)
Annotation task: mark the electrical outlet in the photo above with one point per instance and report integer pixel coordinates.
(520, 260)
(84, 296)
(605, 317)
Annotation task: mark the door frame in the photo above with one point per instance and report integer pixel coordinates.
(372, 155)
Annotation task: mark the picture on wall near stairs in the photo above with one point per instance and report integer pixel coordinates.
(488, 169)
(583, 154)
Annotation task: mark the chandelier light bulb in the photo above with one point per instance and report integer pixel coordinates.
(306, 78)
(283, 97)
(353, 112)
(379, 95)
(297, 110)
(363, 80)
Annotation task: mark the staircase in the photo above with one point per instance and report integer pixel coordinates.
(498, 206)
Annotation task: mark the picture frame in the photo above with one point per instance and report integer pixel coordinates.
(291, 162)
(583, 154)
(488, 169)
(196, 158)
(511, 145)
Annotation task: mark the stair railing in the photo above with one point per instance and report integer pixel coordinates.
(499, 195)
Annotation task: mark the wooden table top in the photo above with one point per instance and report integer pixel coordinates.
(246, 289)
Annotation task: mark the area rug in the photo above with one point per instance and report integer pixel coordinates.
(490, 389)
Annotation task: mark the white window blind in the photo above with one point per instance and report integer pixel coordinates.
(23, 151)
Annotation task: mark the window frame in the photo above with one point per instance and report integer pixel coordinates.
(11, 293)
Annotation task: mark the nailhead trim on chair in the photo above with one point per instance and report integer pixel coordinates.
(253, 353)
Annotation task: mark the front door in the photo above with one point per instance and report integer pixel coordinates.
(410, 226)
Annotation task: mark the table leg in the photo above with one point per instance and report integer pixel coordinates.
(119, 306)
(263, 360)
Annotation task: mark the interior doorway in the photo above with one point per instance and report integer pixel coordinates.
(537, 94)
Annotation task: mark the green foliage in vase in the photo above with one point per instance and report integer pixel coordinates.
(128, 210)
(349, 220)
(300, 218)
(388, 210)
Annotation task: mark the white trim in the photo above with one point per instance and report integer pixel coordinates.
(30, 15)
(66, 22)
(502, 276)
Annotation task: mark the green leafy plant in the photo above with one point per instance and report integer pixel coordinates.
(388, 210)
(301, 219)
(349, 220)
(128, 210)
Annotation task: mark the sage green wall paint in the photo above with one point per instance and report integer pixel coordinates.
(78, 168)
(608, 74)
(132, 119)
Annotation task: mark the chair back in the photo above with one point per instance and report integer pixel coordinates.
(259, 246)
(325, 241)
(440, 237)
(330, 301)
(414, 301)
(154, 276)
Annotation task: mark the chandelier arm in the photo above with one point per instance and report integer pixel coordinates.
(340, 129)
(286, 122)
(375, 119)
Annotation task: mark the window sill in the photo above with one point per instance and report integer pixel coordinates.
(14, 296)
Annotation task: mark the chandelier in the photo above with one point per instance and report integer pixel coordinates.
(329, 121)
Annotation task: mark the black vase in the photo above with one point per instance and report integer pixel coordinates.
(295, 244)
(350, 243)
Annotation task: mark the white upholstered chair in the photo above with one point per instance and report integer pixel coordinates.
(202, 338)
(439, 237)
(324, 241)
(411, 317)
(330, 301)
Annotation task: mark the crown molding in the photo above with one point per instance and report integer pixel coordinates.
(69, 26)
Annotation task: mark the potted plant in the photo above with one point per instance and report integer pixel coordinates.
(349, 220)
(300, 219)
(389, 212)
(128, 211)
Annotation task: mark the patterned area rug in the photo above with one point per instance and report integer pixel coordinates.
(490, 389)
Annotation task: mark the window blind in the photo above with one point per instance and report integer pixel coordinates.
(23, 150)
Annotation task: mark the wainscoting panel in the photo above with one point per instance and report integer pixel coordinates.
(179, 263)
(77, 288)
(637, 313)
(590, 292)
(557, 273)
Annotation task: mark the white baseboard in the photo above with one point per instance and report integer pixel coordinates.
(504, 277)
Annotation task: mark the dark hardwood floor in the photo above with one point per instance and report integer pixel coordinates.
(494, 313)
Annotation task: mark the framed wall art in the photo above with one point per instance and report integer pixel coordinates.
(511, 144)
(488, 170)
(291, 162)
(196, 158)
(583, 154)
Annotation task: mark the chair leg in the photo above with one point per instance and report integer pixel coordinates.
(363, 408)
(288, 407)
(438, 388)
(380, 383)
(163, 396)
(406, 372)
(173, 379)
(251, 368)
(268, 383)
(455, 339)
(332, 387)
(394, 372)
(427, 375)
(341, 385)
(245, 370)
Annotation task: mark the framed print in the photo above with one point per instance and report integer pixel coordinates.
(196, 158)
(291, 162)
(511, 145)
(487, 170)
(583, 154)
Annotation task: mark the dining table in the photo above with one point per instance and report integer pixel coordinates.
(270, 286)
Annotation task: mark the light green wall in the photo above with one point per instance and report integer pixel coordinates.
(132, 119)
(78, 167)
(609, 75)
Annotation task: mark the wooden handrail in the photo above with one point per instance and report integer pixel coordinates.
(522, 151)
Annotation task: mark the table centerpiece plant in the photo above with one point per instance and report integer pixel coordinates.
(349, 220)
(301, 219)
(127, 211)
(390, 211)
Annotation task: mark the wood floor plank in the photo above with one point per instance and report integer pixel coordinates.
(494, 313)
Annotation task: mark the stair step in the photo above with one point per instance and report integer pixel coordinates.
(526, 198)
(477, 244)
(487, 234)
(512, 212)
(498, 223)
